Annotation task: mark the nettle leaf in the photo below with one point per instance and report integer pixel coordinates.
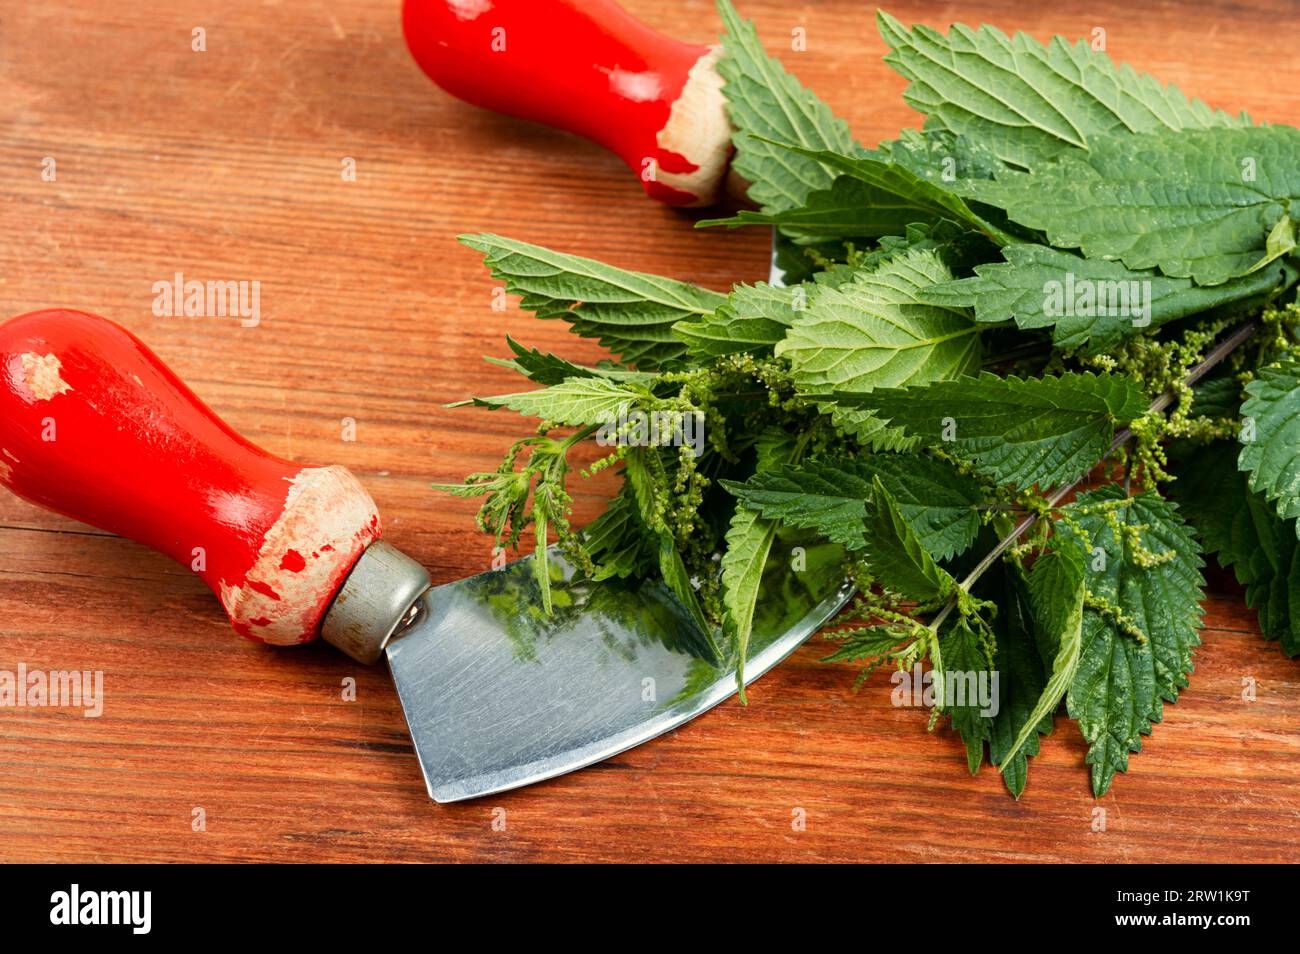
(1019, 431)
(913, 197)
(753, 319)
(1217, 397)
(617, 541)
(1271, 435)
(941, 238)
(648, 479)
(767, 103)
(941, 156)
(875, 332)
(875, 201)
(1056, 592)
(848, 208)
(1088, 301)
(965, 656)
(674, 573)
(1209, 204)
(542, 367)
(748, 543)
(819, 262)
(827, 497)
(831, 496)
(1138, 655)
(574, 401)
(1245, 532)
(1027, 101)
(895, 554)
(869, 644)
(1014, 730)
(631, 313)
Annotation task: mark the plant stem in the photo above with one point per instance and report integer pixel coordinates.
(579, 436)
(1220, 351)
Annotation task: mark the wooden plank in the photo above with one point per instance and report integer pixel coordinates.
(226, 164)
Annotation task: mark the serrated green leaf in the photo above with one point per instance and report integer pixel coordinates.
(753, 319)
(858, 208)
(545, 368)
(964, 657)
(1271, 419)
(818, 262)
(1090, 302)
(831, 497)
(1200, 203)
(870, 644)
(1217, 397)
(875, 332)
(1056, 591)
(941, 238)
(617, 541)
(828, 498)
(917, 197)
(648, 479)
(1246, 534)
(1129, 666)
(1019, 431)
(764, 103)
(545, 505)
(678, 578)
(941, 156)
(895, 555)
(1027, 101)
(748, 541)
(1022, 679)
(574, 401)
(848, 208)
(631, 313)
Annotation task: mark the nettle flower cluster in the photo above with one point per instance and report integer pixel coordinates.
(1028, 365)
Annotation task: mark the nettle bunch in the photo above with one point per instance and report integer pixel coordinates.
(1072, 270)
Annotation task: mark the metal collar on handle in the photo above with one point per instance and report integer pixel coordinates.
(378, 600)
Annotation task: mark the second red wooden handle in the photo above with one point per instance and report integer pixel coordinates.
(589, 67)
(94, 426)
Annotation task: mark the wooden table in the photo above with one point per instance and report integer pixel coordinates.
(225, 164)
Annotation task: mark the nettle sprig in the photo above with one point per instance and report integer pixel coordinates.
(1028, 366)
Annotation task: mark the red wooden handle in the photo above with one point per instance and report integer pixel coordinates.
(586, 66)
(93, 425)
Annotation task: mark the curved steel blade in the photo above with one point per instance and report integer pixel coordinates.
(497, 694)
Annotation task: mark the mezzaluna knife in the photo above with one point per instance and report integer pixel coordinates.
(496, 693)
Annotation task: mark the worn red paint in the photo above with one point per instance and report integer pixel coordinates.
(265, 589)
(583, 65)
(138, 454)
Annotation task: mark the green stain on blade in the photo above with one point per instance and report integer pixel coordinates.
(498, 693)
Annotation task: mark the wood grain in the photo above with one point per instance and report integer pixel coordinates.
(226, 165)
